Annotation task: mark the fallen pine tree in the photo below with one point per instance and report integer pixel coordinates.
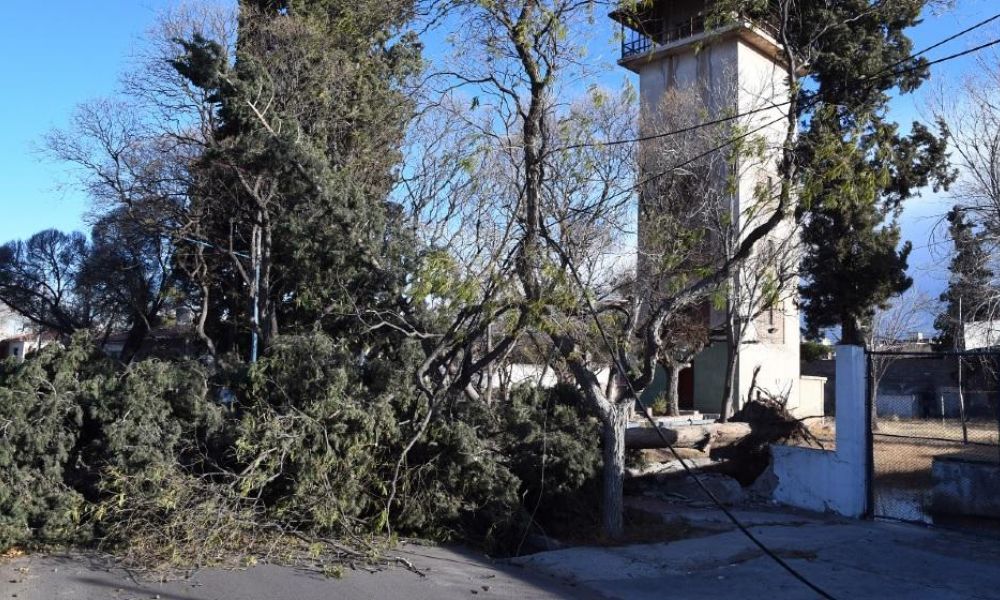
(757, 424)
(700, 437)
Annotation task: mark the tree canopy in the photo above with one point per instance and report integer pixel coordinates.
(970, 284)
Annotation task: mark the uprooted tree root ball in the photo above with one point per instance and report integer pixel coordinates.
(149, 462)
(770, 423)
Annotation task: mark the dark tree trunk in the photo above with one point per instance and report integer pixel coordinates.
(851, 333)
(613, 450)
(136, 337)
(673, 390)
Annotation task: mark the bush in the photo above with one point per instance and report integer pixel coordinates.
(70, 416)
(320, 447)
(551, 441)
(313, 445)
(660, 404)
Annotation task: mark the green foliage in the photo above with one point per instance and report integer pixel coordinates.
(40, 417)
(313, 168)
(314, 443)
(660, 405)
(142, 457)
(970, 285)
(71, 417)
(812, 351)
(854, 262)
(320, 446)
(549, 441)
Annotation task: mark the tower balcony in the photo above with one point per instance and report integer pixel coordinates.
(644, 36)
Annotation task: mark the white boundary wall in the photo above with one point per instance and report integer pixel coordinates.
(832, 480)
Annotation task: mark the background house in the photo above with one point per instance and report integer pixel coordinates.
(19, 336)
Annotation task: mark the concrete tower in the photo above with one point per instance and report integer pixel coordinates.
(730, 65)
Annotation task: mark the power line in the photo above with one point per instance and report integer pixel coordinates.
(687, 469)
(816, 99)
(950, 38)
(621, 370)
(775, 105)
(964, 52)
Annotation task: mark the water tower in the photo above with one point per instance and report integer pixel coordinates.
(733, 64)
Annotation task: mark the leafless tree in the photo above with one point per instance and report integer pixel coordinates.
(972, 115)
(135, 152)
(563, 208)
(892, 330)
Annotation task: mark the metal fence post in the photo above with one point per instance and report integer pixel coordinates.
(961, 404)
(869, 439)
(998, 427)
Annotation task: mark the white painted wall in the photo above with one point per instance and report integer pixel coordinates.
(14, 349)
(812, 395)
(832, 480)
(536, 375)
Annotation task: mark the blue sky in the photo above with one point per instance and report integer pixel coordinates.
(63, 52)
(57, 54)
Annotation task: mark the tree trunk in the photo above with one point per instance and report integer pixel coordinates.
(133, 343)
(729, 392)
(673, 390)
(851, 333)
(613, 448)
(716, 435)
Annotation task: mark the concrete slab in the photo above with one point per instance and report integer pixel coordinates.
(848, 558)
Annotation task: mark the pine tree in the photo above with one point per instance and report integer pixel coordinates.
(857, 167)
(853, 262)
(311, 120)
(970, 285)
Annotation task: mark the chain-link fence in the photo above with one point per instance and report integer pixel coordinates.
(935, 432)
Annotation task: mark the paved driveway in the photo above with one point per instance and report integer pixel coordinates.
(850, 559)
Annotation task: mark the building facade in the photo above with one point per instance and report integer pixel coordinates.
(17, 335)
(693, 67)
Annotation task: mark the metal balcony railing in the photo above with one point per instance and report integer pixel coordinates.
(637, 43)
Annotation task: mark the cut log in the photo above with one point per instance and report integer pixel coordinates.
(713, 435)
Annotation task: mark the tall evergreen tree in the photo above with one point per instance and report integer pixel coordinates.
(312, 115)
(853, 262)
(857, 168)
(970, 284)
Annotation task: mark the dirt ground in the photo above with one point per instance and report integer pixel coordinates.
(905, 448)
(904, 452)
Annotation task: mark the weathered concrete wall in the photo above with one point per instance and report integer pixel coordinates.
(966, 486)
(832, 480)
(535, 375)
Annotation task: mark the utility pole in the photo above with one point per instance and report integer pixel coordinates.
(255, 293)
(960, 345)
(255, 287)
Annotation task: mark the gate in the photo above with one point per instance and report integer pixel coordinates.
(934, 443)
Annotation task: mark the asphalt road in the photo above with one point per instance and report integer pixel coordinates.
(448, 574)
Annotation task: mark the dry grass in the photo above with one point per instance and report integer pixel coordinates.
(906, 461)
(904, 452)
